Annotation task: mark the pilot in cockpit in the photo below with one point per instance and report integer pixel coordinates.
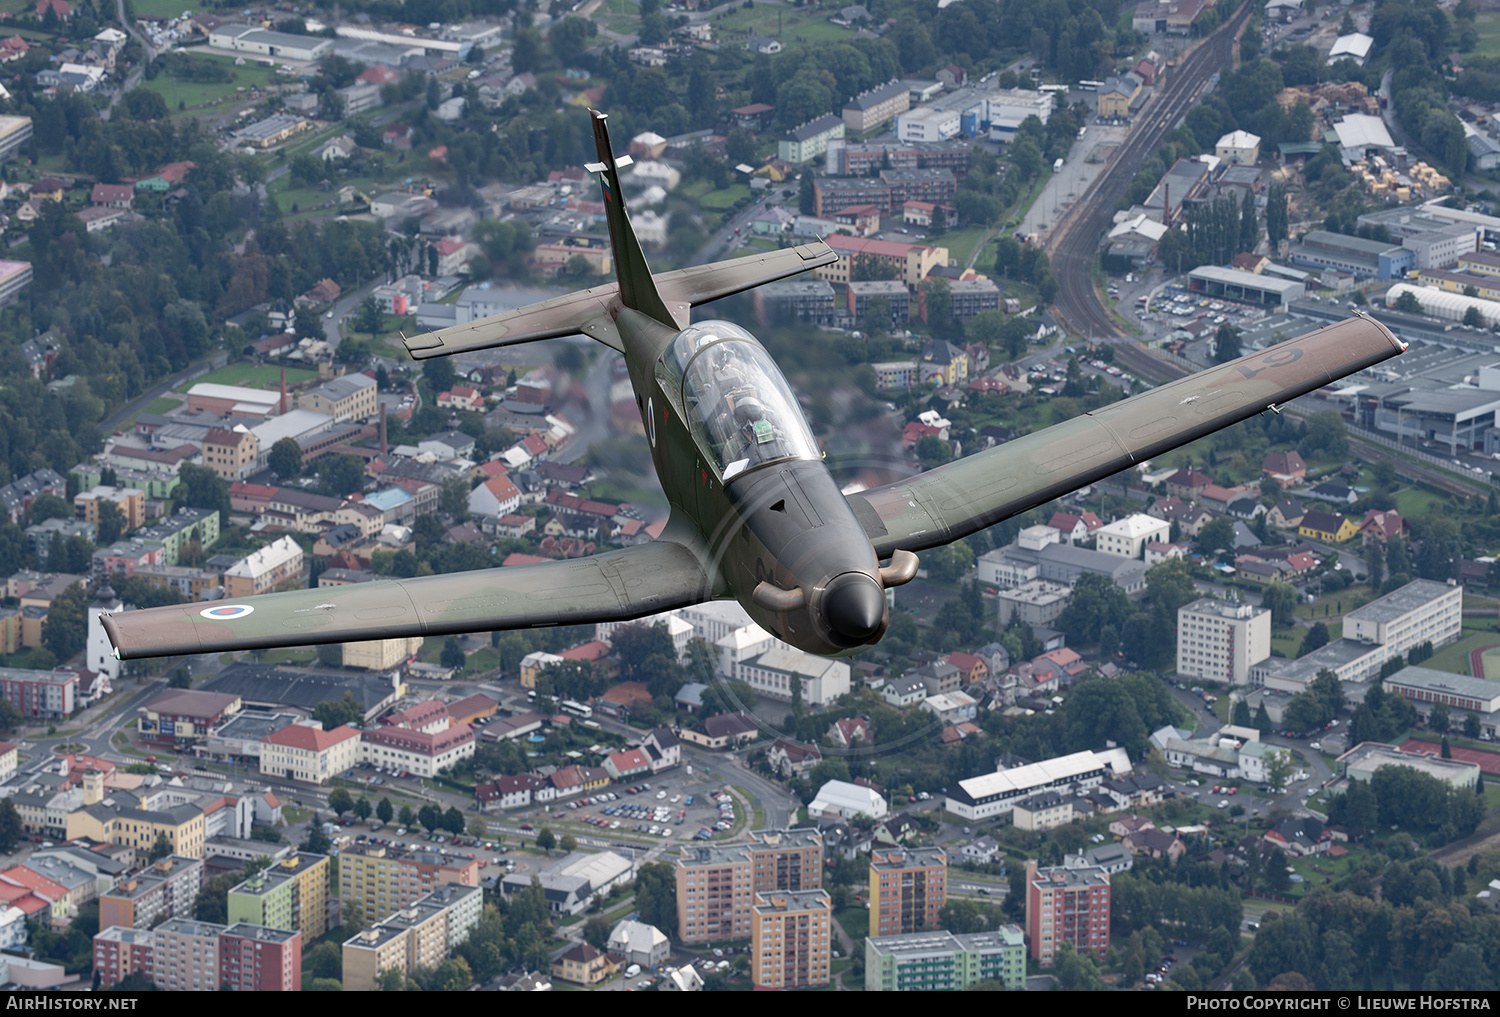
(762, 442)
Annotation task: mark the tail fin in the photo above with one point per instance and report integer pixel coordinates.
(637, 289)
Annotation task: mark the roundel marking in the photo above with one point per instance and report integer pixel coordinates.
(651, 419)
(226, 612)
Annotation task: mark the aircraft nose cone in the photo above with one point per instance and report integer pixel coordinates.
(854, 606)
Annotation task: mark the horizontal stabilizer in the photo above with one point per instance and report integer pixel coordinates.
(589, 312)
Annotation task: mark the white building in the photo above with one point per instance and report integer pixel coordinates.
(994, 794)
(1238, 147)
(1221, 640)
(422, 753)
(1355, 46)
(639, 943)
(1128, 537)
(101, 652)
(927, 124)
(823, 679)
(1421, 611)
(845, 800)
(679, 631)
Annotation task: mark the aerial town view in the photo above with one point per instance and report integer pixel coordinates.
(628, 495)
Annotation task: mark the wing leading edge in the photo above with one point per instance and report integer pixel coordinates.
(614, 586)
(952, 501)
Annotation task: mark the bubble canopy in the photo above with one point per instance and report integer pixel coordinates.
(738, 405)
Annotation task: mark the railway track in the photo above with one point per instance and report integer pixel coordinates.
(1073, 243)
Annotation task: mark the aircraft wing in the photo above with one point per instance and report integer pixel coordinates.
(615, 586)
(702, 283)
(962, 497)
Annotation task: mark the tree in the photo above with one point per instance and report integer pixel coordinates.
(1408, 303)
(439, 374)
(342, 475)
(370, 317)
(1438, 717)
(340, 801)
(1226, 343)
(201, 487)
(1316, 637)
(1281, 600)
(362, 807)
(656, 894)
(453, 653)
(316, 841)
(1279, 769)
(1472, 725)
(1249, 228)
(807, 198)
(161, 847)
(1277, 221)
(10, 826)
(285, 458)
(430, 816)
(180, 679)
(65, 628)
(1217, 535)
(453, 820)
(407, 818)
(596, 932)
(545, 840)
(569, 38)
(1472, 317)
(111, 522)
(478, 828)
(568, 843)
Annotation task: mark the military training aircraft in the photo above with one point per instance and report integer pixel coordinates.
(755, 514)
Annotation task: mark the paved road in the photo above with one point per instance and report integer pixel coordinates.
(111, 423)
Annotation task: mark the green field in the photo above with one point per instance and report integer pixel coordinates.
(782, 23)
(194, 94)
(163, 8)
(961, 244)
(1416, 504)
(165, 404)
(1488, 24)
(1455, 657)
(251, 376)
(722, 199)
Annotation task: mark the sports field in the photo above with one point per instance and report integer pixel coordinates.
(1484, 662)
(1487, 760)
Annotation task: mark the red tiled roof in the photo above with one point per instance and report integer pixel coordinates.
(310, 739)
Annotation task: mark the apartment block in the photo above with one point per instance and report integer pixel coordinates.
(1066, 906)
(120, 951)
(943, 962)
(1221, 640)
(422, 934)
(233, 455)
(254, 958)
(167, 888)
(130, 501)
(716, 884)
(377, 881)
(351, 397)
(289, 894)
(789, 939)
(186, 955)
(908, 887)
(263, 570)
